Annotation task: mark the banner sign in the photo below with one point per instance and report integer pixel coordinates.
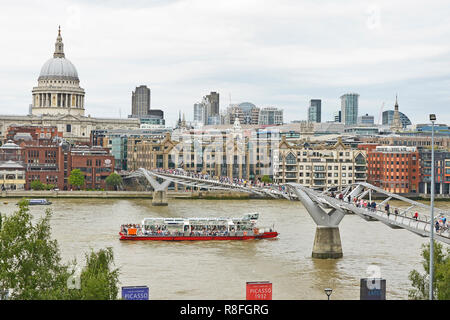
(135, 293)
(372, 289)
(261, 290)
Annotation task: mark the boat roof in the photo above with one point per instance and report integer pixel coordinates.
(246, 217)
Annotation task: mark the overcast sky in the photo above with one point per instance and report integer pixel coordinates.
(272, 53)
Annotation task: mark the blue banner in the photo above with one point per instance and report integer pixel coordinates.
(135, 293)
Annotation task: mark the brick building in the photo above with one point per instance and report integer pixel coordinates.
(16, 132)
(46, 157)
(44, 163)
(394, 168)
(96, 163)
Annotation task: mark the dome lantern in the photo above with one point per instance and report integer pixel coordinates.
(59, 46)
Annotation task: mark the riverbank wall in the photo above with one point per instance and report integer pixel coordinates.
(213, 195)
(210, 195)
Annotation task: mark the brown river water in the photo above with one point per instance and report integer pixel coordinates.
(220, 269)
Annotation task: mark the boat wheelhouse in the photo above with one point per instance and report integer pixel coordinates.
(242, 228)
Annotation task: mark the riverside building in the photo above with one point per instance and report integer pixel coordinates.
(319, 165)
(395, 169)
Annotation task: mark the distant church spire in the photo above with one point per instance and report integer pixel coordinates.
(59, 45)
(396, 123)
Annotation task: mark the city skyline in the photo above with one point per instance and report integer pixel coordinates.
(285, 68)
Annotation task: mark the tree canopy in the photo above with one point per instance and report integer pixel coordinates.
(38, 185)
(114, 180)
(266, 179)
(31, 266)
(441, 278)
(76, 178)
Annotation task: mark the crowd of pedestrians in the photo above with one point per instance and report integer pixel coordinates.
(441, 223)
(224, 179)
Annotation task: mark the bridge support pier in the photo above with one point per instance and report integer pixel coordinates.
(327, 243)
(160, 198)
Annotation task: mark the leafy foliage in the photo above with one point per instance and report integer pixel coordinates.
(441, 275)
(76, 178)
(38, 185)
(31, 267)
(266, 179)
(98, 282)
(114, 180)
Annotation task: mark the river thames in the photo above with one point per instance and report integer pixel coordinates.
(220, 269)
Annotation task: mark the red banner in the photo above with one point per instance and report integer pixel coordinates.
(259, 290)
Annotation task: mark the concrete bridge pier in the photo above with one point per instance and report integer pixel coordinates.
(160, 198)
(159, 189)
(327, 241)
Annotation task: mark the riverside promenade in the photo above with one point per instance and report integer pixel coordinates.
(214, 194)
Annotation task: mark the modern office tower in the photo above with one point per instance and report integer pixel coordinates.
(270, 116)
(140, 102)
(211, 110)
(247, 113)
(155, 117)
(388, 118)
(349, 108)
(199, 112)
(212, 105)
(337, 116)
(315, 110)
(213, 98)
(366, 119)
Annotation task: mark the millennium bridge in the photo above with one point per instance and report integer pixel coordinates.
(326, 210)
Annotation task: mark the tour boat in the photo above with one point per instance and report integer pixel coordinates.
(197, 229)
(32, 202)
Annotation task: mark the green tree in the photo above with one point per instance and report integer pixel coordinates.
(266, 179)
(441, 278)
(36, 185)
(30, 263)
(98, 279)
(76, 178)
(49, 186)
(114, 180)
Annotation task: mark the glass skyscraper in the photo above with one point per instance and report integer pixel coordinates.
(349, 108)
(315, 110)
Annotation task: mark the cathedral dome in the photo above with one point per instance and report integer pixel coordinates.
(58, 91)
(58, 69)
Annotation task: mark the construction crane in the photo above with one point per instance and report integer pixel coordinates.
(381, 113)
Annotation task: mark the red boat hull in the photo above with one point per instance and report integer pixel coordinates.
(265, 235)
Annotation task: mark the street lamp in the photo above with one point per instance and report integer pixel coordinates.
(432, 119)
(328, 292)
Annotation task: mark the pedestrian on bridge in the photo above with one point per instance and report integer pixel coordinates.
(387, 209)
(416, 215)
